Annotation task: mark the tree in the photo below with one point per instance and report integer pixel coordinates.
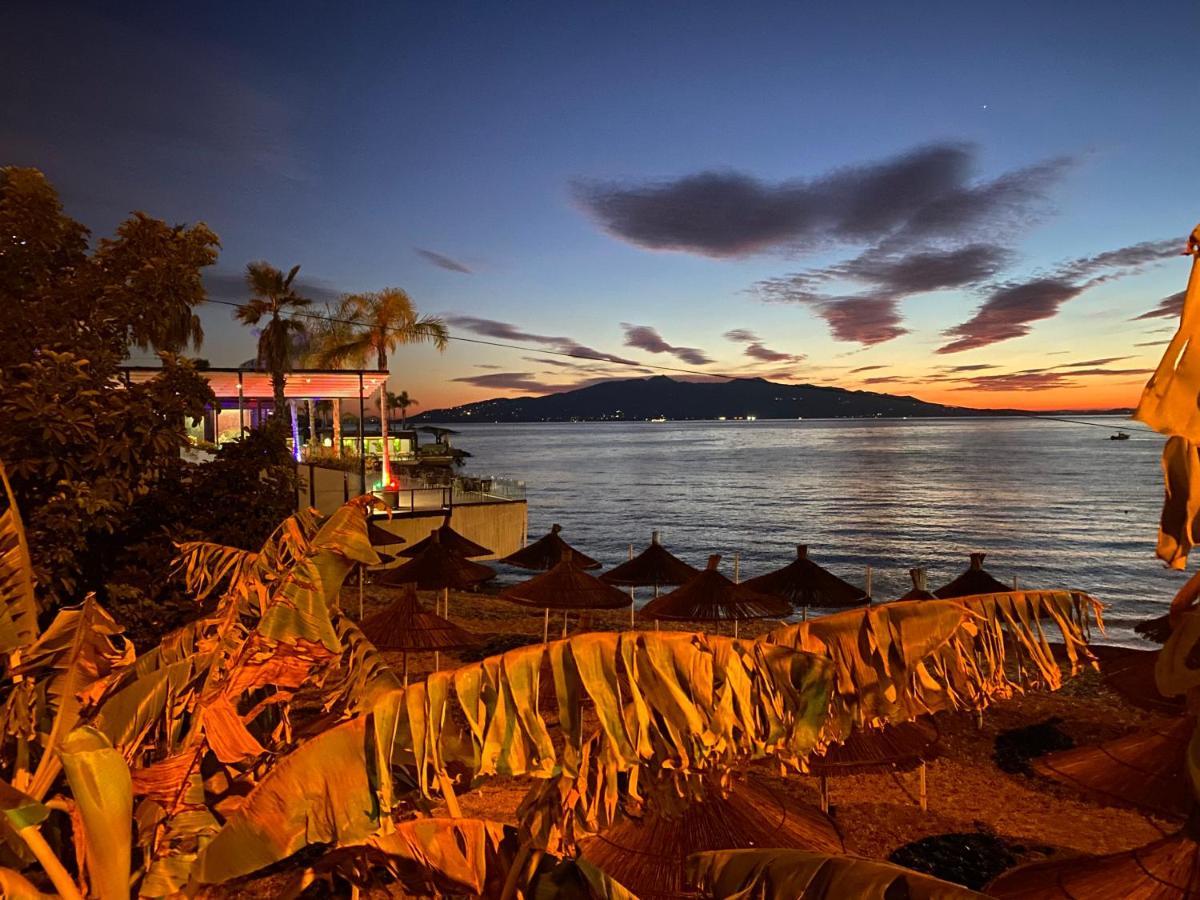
(384, 321)
(402, 402)
(273, 298)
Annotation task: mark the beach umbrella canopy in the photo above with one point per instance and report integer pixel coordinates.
(646, 854)
(1130, 672)
(901, 747)
(653, 567)
(381, 537)
(451, 539)
(437, 568)
(406, 627)
(919, 590)
(975, 580)
(546, 552)
(711, 597)
(804, 583)
(1146, 769)
(568, 587)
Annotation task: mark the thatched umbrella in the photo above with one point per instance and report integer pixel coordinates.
(1166, 869)
(711, 597)
(901, 747)
(546, 552)
(405, 627)
(1130, 672)
(1146, 769)
(566, 586)
(975, 580)
(803, 583)
(451, 539)
(919, 589)
(437, 568)
(646, 854)
(655, 567)
(381, 537)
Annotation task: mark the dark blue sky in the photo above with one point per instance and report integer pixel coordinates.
(557, 152)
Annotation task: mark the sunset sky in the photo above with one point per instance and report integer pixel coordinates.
(975, 204)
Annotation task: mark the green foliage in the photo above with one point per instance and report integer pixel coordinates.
(273, 298)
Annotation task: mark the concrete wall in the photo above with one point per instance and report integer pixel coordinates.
(326, 489)
(499, 526)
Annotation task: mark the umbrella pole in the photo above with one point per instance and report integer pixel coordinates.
(737, 568)
(632, 611)
(804, 614)
(868, 584)
(437, 661)
(360, 593)
(735, 621)
(405, 658)
(564, 623)
(446, 602)
(546, 627)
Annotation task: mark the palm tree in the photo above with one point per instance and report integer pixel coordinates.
(385, 320)
(402, 402)
(272, 298)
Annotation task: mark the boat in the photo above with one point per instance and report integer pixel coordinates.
(657, 419)
(1119, 436)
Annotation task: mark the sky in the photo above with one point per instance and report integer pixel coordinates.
(976, 204)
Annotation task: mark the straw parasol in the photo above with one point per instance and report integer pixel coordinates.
(655, 567)
(381, 537)
(803, 583)
(899, 747)
(437, 568)
(975, 580)
(1130, 672)
(711, 597)
(405, 627)
(646, 854)
(451, 539)
(1146, 769)
(566, 586)
(546, 552)
(919, 589)
(1166, 869)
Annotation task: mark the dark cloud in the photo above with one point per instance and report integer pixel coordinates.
(756, 349)
(521, 381)
(1018, 381)
(1089, 363)
(887, 379)
(866, 369)
(231, 286)
(1168, 308)
(1011, 309)
(874, 317)
(442, 261)
(1110, 372)
(1157, 343)
(505, 331)
(487, 366)
(646, 338)
(974, 367)
(925, 194)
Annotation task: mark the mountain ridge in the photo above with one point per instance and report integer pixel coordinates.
(660, 396)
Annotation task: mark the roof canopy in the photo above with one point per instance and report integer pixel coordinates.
(317, 384)
(653, 567)
(710, 596)
(804, 583)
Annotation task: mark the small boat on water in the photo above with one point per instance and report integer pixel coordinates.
(1119, 436)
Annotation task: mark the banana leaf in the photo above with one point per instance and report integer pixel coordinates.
(666, 701)
(74, 662)
(15, 886)
(18, 604)
(797, 875)
(103, 794)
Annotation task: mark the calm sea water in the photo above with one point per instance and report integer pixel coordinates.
(1053, 504)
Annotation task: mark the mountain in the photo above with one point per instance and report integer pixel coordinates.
(648, 398)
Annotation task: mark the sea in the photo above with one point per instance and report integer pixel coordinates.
(1053, 503)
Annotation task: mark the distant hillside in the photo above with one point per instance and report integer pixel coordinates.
(648, 398)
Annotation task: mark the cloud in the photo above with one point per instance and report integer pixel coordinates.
(887, 379)
(442, 261)
(646, 338)
(874, 316)
(231, 286)
(1018, 381)
(507, 332)
(1089, 363)
(924, 194)
(1168, 308)
(1157, 343)
(520, 381)
(756, 349)
(866, 369)
(974, 367)
(1011, 309)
